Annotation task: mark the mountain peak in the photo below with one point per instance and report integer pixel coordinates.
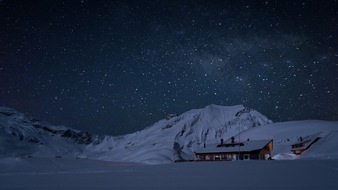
(215, 106)
(9, 111)
(176, 138)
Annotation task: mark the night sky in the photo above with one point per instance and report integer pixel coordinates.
(116, 67)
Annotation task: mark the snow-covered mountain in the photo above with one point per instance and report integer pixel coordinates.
(176, 137)
(22, 135)
(173, 138)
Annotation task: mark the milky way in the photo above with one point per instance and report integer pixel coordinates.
(116, 67)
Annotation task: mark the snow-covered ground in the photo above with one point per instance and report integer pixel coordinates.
(286, 133)
(44, 173)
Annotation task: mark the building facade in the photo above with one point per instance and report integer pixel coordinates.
(245, 150)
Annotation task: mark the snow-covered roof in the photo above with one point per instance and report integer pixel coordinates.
(247, 146)
(305, 144)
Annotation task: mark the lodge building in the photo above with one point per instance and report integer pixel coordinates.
(244, 150)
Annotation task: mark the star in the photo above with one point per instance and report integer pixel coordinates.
(117, 67)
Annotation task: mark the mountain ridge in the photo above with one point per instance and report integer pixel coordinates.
(175, 137)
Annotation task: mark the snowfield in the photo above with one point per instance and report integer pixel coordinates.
(34, 173)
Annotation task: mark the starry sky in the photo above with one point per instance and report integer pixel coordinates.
(116, 67)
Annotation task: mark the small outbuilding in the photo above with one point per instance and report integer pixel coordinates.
(244, 150)
(303, 144)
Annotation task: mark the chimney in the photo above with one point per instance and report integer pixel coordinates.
(222, 141)
(232, 140)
